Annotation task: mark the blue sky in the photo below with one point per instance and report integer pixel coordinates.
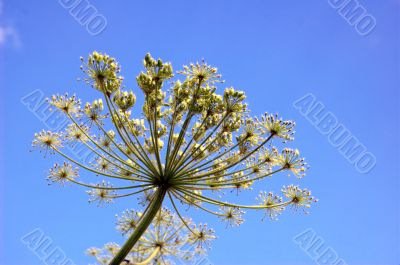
(278, 52)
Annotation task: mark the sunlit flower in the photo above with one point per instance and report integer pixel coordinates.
(137, 127)
(146, 197)
(93, 251)
(201, 72)
(166, 239)
(68, 105)
(128, 221)
(47, 140)
(202, 235)
(233, 101)
(112, 248)
(102, 193)
(232, 216)
(277, 127)
(102, 71)
(124, 100)
(75, 134)
(62, 173)
(190, 144)
(103, 164)
(300, 198)
(93, 112)
(290, 160)
(272, 203)
(269, 156)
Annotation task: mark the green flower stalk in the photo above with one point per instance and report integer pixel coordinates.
(189, 145)
(165, 240)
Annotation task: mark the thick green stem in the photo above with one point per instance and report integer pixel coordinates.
(152, 210)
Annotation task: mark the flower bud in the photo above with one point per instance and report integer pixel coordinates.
(124, 100)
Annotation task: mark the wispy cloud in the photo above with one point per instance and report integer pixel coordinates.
(8, 34)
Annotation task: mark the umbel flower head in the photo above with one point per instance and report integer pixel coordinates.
(167, 239)
(189, 144)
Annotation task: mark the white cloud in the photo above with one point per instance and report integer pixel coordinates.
(8, 35)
